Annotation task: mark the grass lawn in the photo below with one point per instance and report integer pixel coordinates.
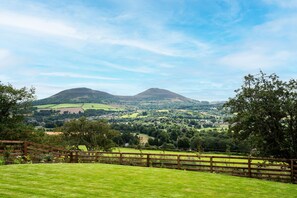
(103, 180)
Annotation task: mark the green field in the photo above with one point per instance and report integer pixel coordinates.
(47, 106)
(132, 150)
(98, 106)
(66, 105)
(103, 180)
(133, 115)
(85, 106)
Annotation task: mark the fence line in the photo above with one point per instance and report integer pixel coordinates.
(284, 170)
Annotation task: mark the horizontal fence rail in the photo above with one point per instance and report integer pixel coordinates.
(23, 151)
(284, 170)
(263, 168)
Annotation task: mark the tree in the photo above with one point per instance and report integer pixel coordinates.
(196, 143)
(183, 143)
(265, 113)
(93, 134)
(14, 104)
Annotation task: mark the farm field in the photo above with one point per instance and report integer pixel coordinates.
(84, 106)
(132, 150)
(102, 180)
(133, 115)
(195, 154)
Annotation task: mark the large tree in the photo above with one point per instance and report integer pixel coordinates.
(93, 134)
(14, 104)
(265, 113)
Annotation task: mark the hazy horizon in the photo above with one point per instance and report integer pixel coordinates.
(198, 49)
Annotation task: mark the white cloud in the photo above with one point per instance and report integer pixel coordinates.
(38, 24)
(230, 13)
(139, 69)
(157, 39)
(283, 3)
(6, 58)
(5, 79)
(269, 45)
(144, 45)
(247, 60)
(4, 54)
(283, 28)
(74, 75)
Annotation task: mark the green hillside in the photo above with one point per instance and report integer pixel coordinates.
(103, 180)
(85, 95)
(77, 95)
(84, 106)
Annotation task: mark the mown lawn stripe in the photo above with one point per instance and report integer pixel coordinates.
(103, 180)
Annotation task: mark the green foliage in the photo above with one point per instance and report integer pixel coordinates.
(196, 143)
(265, 113)
(14, 103)
(93, 134)
(2, 160)
(18, 160)
(183, 143)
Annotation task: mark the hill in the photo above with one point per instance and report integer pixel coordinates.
(85, 95)
(77, 95)
(160, 94)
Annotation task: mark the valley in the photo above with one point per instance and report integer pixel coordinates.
(168, 120)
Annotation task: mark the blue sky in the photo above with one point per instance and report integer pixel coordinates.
(201, 49)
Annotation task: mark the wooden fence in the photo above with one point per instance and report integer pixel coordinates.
(22, 151)
(284, 170)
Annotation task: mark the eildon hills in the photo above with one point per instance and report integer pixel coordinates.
(86, 95)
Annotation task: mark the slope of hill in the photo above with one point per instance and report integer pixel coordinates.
(78, 95)
(85, 95)
(160, 94)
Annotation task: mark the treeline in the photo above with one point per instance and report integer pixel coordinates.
(179, 138)
(53, 119)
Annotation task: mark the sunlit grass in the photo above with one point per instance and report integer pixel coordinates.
(103, 180)
(133, 115)
(98, 106)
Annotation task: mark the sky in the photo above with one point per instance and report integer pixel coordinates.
(201, 49)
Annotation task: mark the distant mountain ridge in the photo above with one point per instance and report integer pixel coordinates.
(86, 95)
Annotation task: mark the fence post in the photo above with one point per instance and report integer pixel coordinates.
(292, 171)
(71, 156)
(211, 164)
(178, 162)
(25, 148)
(121, 158)
(148, 160)
(249, 167)
(76, 154)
